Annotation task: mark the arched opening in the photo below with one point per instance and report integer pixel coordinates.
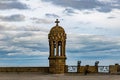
(59, 48)
(54, 44)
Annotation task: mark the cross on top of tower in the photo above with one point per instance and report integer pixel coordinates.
(57, 22)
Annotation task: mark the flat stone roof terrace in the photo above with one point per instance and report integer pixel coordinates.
(40, 76)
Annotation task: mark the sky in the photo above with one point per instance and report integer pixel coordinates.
(92, 28)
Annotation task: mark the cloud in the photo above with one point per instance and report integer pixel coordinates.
(69, 11)
(90, 48)
(40, 20)
(34, 28)
(111, 17)
(100, 28)
(79, 47)
(101, 6)
(8, 27)
(23, 44)
(2, 36)
(12, 5)
(35, 53)
(39, 38)
(51, 15)
(12, 18)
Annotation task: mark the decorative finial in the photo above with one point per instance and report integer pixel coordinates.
(57, 22)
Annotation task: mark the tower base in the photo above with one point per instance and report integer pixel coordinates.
(57, 65)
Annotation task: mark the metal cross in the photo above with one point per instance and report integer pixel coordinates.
(57, 22)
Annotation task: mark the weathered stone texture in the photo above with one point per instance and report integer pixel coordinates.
(90, 69)
(114, 69)
(57, 42)
(24, 69)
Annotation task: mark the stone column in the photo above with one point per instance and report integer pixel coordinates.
(64, 49)
(61, 54)
(57, 49)
(52, 48)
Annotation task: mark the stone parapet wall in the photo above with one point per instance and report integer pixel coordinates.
(114, 68)
(81, 69)
(66, 68)
(25, 69)
(91, 69)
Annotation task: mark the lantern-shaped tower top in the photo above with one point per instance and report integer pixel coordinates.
(57, 30)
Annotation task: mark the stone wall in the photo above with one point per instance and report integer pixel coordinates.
(66, 68)
(114, 69)
(57, 66)
(93, 69)
(25, 69)
(90, 69)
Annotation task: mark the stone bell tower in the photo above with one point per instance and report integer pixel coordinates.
(57, 42)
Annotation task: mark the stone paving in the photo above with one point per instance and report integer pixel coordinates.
(39, 76)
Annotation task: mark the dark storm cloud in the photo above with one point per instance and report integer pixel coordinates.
(16, 17)
(12, 5)
(100, 6)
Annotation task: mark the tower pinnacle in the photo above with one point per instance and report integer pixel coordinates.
(57, 22)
